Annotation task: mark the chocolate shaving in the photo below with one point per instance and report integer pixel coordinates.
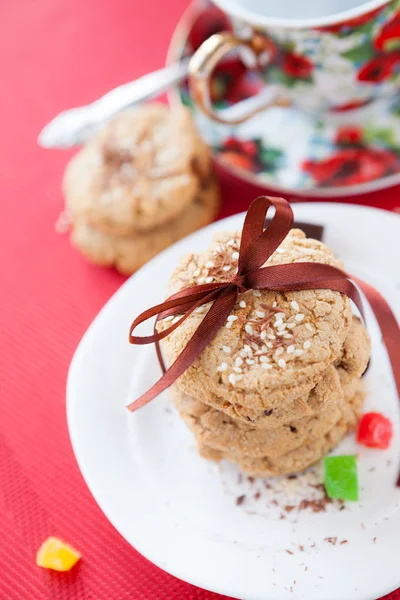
(268, 413)
(289, 508)
(331, 540)
(257, 496)
(374, 540)
(317, 505)
(343, 542)
(240, 500)
(289, 551)
(318, 486)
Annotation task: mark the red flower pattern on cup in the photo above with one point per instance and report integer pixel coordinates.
(350, 105)
(241, 154)
(349, 135)
(352, 166)
(353, 163)
(384, 64)
(389, 36)
(296, 65)
(380, 68)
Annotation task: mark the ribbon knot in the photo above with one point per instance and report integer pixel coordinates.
(256, 247)
(239, 281)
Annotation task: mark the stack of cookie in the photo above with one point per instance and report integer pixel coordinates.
(280, 385)
(141, 184)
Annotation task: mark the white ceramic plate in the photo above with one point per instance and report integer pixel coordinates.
(179, 510)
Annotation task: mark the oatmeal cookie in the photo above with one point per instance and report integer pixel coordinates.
(313, 402)
(356, 350)
(274, 346)
(221, 432)
(139, 172)
(129, 253)
(300, 458)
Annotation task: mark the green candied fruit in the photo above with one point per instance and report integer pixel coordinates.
(341, 477)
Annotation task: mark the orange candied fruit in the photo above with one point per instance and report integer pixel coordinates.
(55, 554)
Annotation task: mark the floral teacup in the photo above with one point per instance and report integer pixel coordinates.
(325, 63)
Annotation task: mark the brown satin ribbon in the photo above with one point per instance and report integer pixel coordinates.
(257, 245)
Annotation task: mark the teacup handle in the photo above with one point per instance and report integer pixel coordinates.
(203, 63)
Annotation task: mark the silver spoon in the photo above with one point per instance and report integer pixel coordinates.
(72, 127)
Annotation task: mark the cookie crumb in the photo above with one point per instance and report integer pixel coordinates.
(63, 222)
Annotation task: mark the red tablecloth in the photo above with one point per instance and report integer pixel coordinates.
(56, 54)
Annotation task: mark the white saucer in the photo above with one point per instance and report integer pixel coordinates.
(180, 511)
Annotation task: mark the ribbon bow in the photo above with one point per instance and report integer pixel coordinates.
(256, 246)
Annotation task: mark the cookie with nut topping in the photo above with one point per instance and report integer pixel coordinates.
(352, 363)
(274, 347)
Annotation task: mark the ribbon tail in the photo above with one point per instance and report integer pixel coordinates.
(207, 330)
(159, 353)
(389, 328)
(388, 324)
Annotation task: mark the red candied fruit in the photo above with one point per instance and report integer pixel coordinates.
(375, 431)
